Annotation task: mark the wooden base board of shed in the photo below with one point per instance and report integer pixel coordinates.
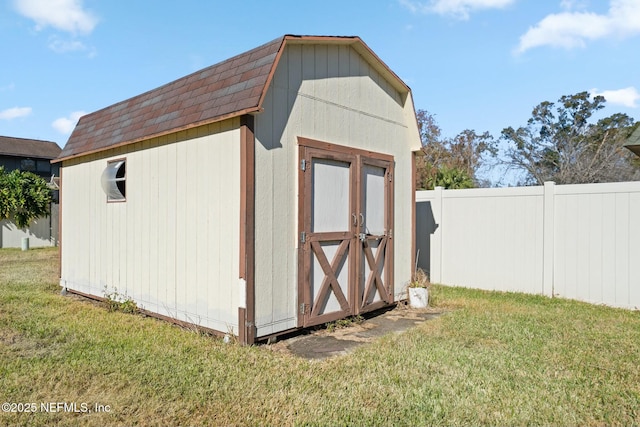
(180, 323)
(287, 333)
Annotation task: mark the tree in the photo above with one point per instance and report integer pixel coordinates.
(24, 197)
(560, 144)
(452, 178)
(450, 162)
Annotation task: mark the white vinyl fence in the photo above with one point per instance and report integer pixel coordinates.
(574, 241)
(42, 232)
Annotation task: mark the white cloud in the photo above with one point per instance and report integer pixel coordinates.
(627, 97)
(14, 113)
(65, 125)
(573, 4)
(59, 45)
(573, 29)
(458, 8)
(64, 15)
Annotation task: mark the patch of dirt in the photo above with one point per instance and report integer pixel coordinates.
(19, 345)
(325, 342)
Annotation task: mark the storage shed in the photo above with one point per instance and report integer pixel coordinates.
(269, 192)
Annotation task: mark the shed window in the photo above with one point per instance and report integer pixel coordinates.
(114, 180)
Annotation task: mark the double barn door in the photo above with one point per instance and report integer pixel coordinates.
(346, 220)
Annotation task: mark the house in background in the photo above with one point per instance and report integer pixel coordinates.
(269, 192)
(31, 155)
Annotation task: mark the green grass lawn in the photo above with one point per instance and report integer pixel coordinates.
(493, 359)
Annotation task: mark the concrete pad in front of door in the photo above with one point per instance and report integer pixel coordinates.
(324, 343)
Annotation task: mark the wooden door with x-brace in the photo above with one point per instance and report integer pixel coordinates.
(346, 215)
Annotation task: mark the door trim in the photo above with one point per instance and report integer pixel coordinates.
(308, 149)
(311, 248)
(327, 146)
(384, 254)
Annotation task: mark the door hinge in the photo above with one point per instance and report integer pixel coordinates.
(303, 237)
(303, 308)
(391, 233)
(303, 165)
(390, 177)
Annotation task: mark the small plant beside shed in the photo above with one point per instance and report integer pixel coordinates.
(418, 289)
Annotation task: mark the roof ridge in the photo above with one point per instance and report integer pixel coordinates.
(28, 139)
(227, 89)
(27, 147)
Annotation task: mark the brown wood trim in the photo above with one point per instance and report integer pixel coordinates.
(329, 236)
(355, 177)
(302, 247)
(306, 317)
(413, 211)
(224, 117)
(181, 323)
(242, 254)
(374, 280)
(326, 318)
(60, 225)
(390, 244)
(272, 72)
(358, 44)
(330, 280)
(357, 199)
(321, 145)
(246, 315)
(376, 306)
(242, 329)
(357, 158)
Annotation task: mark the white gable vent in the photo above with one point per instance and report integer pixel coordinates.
(114, 180)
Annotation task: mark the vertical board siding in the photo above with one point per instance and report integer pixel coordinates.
(328, 93)
(495, 239)
(170, 247)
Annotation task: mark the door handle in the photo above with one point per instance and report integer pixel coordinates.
(361, 220)
(355, 219)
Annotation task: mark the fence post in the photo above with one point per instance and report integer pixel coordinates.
(436, 238)
(548, 238)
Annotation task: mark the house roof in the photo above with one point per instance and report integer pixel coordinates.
(231, 88)
(633, 143)
(21, 147)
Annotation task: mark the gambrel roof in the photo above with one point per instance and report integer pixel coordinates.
(228, 89)
(22, 147)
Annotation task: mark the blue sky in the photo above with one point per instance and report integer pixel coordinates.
(475, 64)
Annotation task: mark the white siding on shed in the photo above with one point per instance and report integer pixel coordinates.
(328, 93)
(172, 246)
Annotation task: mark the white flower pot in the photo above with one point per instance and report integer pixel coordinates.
(418, 297)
